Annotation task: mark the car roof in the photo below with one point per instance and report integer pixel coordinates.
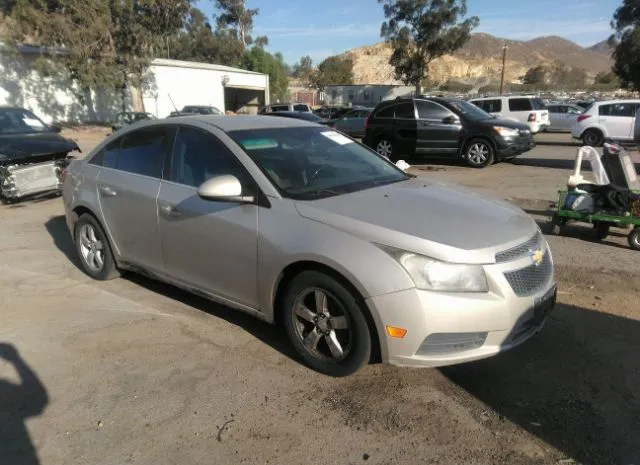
(238, 123)
(609, 102)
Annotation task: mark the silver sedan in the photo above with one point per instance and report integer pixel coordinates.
(299, 225)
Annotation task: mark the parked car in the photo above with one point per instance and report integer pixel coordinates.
(351, 123)
(277, 107)
(332, 112)
(526, 109)
(612, 119)
(295, 223)
(196, 110)
(303, 115)
(32, 154)
(441, 126)
(562, 116)
(129, 117)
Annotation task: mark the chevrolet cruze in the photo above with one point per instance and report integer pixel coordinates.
(301, 226)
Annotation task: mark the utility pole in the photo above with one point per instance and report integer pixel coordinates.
(504, 63)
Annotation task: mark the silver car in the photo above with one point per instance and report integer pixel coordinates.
(562, 117)
(300, 226)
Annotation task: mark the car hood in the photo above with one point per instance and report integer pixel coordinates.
(24, 147)
(424, 216)
(507, 122)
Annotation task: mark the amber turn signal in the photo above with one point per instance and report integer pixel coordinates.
(397, 333)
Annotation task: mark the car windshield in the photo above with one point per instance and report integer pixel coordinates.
(469, 110)
(308, 163)
(20, 121)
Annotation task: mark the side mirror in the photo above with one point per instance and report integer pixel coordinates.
(225, 188)
(55, 128)
(450, 120)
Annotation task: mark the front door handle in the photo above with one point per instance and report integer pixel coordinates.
(169, 210)
(108, 191)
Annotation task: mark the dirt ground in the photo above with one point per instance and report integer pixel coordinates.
(133, 371)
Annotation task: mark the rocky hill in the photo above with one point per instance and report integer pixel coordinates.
(479, 62)
(602, 47)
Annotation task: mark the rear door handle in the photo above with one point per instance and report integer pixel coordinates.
(108, 191)
(169, 210)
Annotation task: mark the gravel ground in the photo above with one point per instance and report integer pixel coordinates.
(133, 371)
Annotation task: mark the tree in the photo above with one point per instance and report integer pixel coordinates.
(261, 61)
(100, 44)
(235, 15)
(198, 42)
(333, 71)
(626, 57)
(535, 76)
(303, 70)
(419, 31)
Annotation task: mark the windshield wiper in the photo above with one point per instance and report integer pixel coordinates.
(316, 193)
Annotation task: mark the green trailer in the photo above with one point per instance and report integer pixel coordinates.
(601, 221)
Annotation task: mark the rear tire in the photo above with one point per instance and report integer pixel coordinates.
(326, 324)
(593, 138)
(478, 153)
(94, 250)
(384, 147)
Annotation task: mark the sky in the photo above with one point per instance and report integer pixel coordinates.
(321, 28)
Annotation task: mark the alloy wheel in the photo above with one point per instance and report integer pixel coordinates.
(384, 148)
(320, 322)
(91, 248)
(478, 153)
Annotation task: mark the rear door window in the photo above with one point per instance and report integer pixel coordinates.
(405, 111)
(620, 110)
(520, 104)
(142, 152)
(280, 108)
(300, 108)
(490, 106)
(431, 110)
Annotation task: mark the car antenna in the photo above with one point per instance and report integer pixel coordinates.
(174, 105)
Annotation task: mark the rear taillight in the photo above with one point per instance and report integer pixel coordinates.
(582, 118)
(532, 117)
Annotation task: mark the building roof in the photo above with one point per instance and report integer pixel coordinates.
(198, 65)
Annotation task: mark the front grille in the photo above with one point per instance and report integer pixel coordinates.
(532, 279)
(520, 251)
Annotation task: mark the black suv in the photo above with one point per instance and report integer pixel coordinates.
(441, 126)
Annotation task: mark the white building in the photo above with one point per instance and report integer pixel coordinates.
(172, 84)
(367, 95)
(56, 98)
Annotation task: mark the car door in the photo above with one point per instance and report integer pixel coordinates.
(617, 118)
(438, 129)
(349, 122)
(571, 116)
(405, 128)
(128, 185)
(208, 245)
(556, 116)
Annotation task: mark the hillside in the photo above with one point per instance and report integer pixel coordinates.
(480, 60)
(602, 47)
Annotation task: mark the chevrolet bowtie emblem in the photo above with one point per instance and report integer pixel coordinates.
(537, 256)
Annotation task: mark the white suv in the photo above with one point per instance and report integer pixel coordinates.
(612, 119)
(524, 108)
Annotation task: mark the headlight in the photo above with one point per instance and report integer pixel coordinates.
(506, 132)
(434, 275)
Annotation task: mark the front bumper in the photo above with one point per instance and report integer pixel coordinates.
(451, 328)
(513, 148)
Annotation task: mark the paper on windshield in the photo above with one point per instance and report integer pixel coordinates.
(337, 137)
(34, 123)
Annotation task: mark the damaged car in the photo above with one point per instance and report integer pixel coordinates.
(33, 155)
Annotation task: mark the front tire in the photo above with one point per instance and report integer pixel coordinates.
(479, 153)
(94, 250)
(326, 324)
(593, 138)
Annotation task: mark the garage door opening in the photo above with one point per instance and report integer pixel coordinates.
(243, 100)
